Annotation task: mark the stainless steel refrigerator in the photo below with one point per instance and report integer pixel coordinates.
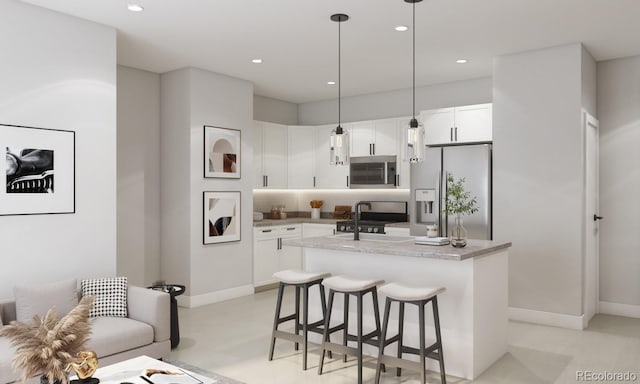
(428, 188)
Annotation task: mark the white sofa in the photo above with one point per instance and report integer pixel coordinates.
(146, 331)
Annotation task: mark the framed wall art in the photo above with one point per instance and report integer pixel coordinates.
(39, 171)
(221, 152)
(221, 213)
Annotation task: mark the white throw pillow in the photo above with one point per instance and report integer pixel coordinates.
(38, 299)
(111, 296)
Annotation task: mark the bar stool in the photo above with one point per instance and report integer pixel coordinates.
(301, 281)
(411, 295)
(358, 288)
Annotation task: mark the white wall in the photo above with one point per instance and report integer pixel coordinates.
(138, 176)
(274, 110)
(396, 103)
(190, 99)
(619, 115)
(538, 176)
(59, 72)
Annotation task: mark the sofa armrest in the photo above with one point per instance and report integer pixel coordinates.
(151, 307)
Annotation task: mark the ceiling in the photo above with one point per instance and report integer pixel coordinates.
(298, 42)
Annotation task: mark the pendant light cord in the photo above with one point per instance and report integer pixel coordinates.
(414, 60)
(339, 75)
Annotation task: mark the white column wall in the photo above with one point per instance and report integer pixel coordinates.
(59, 71)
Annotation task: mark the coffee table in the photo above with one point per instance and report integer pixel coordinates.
(132, 372)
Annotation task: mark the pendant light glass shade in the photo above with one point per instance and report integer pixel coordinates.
(414, 134)
(339, 148)
(339, 151)
(414, 142)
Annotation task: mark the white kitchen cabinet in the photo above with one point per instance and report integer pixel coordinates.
(376, 137)
(396, 231)
(301, 157)
(327, 176)
(270, 255)
(270, 141)
(464, 124)
(317, 230)
(404, 167)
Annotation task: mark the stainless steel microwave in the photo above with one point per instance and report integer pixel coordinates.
(373, 172)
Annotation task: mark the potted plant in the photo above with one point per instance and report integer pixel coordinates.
(47, 346)
(458, 203)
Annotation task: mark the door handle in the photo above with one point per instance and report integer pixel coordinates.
(370, 149)
(314, 181)
(456, 135)
(347, 180)
(451, 133)
(266, 181)
(596, 217)
(374, 148)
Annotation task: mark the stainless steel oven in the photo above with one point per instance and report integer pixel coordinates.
(373, 172)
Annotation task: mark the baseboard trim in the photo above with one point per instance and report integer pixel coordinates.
(546, 318)
(214, 297)
(617, 309)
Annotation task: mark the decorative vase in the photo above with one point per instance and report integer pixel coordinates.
(458, 236)
(315, 213)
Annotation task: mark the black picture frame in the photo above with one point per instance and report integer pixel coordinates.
(39, 175)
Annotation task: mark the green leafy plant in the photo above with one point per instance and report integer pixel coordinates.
(458, 200)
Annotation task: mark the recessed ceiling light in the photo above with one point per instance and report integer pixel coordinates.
(402, 28)
(331, 82)
(257, 61)
(135, 8)
(461, 61)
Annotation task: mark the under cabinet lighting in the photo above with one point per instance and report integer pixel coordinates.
(135, 8)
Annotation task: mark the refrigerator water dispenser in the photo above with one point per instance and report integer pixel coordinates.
(425, 203)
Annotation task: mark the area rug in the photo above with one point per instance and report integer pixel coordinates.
(217, 379)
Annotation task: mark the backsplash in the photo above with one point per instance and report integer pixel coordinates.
(298, 200)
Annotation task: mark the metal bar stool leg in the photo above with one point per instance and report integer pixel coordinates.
(436, 323)
(325, 334)
(400, 333)
(275, 320)
(423, 368)
(305, 322)
(376, 312)
(359, 336)
(345, 319)
(323, 301)
(297, 324)
(383, 337)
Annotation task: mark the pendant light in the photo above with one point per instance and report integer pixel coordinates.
(339, 149)
(414, 138)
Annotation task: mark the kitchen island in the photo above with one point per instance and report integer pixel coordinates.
(473, 310)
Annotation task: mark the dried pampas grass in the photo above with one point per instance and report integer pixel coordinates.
(47, 346)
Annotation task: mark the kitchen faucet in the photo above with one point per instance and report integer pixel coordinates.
(356, 230)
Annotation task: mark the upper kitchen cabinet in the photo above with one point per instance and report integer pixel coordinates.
(370, 138)
(301, 167)
(328, 176)
(270, 155)
(464, 124)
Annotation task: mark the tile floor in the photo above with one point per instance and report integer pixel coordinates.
(232, 338)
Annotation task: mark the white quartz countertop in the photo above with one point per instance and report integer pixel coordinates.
(398, 245)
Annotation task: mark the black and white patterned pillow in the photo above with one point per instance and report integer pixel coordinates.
(111, 296)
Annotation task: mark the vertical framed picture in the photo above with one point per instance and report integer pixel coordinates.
(221, 152)
(39, 171)
(221, 213)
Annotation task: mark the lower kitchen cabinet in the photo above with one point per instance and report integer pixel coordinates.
(396, 231)
(270, 256)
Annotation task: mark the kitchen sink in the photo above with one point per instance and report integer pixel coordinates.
(374, 237)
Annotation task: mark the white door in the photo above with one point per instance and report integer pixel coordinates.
(301, 157)
(258, 173)
(362, 137)
(385, 142)
(438, 125)
(591, 262)
(327, 175)
(274, 144)
(473, 123)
